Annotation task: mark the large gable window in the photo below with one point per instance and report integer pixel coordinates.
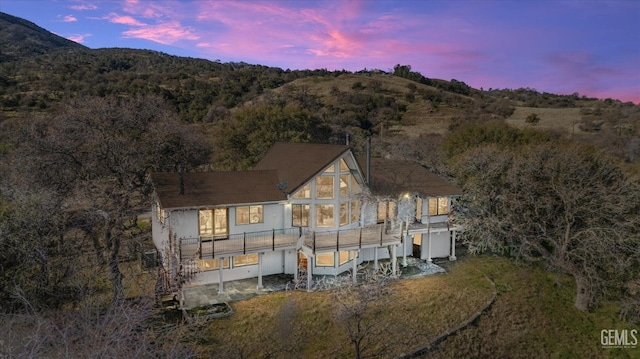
(249, 215)
(300, 215)
(344, 213)
(343, 166)
(304, 192)
(438, 206)
(344, 185)
(324, 187)
(355, 211)
(324, 215)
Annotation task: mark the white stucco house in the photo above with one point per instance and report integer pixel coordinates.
(303, 207)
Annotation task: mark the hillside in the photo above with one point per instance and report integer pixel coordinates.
(40, 70)
(21, 39)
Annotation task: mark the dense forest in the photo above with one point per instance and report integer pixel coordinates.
(548, 178)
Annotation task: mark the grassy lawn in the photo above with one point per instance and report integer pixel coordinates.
(533, 316)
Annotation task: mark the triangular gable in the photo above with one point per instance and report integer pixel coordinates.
(297, 163)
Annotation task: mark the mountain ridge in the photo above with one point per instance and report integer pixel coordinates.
(21, 38)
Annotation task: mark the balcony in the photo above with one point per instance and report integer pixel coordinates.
(283, 239)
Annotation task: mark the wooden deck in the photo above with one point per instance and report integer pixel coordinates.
(282, 239)
(348, 239)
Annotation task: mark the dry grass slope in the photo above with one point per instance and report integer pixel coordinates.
(533, 316)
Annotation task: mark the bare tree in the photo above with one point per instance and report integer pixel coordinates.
(96, 154)
(571, 207)
(126, 330)
(358, 311)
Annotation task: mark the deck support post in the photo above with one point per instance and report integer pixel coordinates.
(452, 257)
(309, 274)
(394, 260)
(260, 270)
(220, 280)
(404, 246)
(429, 260)
(354, 269)
(295, 272)
(375, 259)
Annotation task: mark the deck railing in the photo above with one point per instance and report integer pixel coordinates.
(239, 243)
(251, 242)
(368, 236)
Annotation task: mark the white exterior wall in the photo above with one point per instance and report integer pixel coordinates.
(272, 263)
(440, 245)
(273, 215)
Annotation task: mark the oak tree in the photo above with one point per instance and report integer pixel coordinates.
(571, 207)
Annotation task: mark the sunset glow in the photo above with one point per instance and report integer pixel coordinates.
(563, 47)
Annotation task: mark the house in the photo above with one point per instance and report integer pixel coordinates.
(303, 208)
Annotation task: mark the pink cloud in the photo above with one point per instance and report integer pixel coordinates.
(79, 38)
(321, 33)
(165, 33)
(123, 20)
(83, 7)
(69, 18)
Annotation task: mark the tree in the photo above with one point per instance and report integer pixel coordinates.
(359, 308)
(96, 154)
(532, 119)
(243, 140)
(571, 207)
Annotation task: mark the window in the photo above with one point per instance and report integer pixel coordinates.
(386, 210)
(355, 211)
(325, 259)
(212, 222)
(245, 260)
(417, 239)
(324, 215)
(344, 185)
(300, 215)
(324, 187)
(419, 208)
(249, 214)
(212, 264)
(206, 222)
(220, 217)
(355, 187)
(304, 192)
(438, 206)
(345, 256)
(331, 169)
(343, 166)
(344, 213)
(160, 213)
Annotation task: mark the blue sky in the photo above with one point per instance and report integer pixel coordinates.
(586, 46)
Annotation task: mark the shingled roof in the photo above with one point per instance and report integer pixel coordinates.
(297, 163)
(216, 188)
(391, 178)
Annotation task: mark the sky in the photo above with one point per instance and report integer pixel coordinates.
(591, 47)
